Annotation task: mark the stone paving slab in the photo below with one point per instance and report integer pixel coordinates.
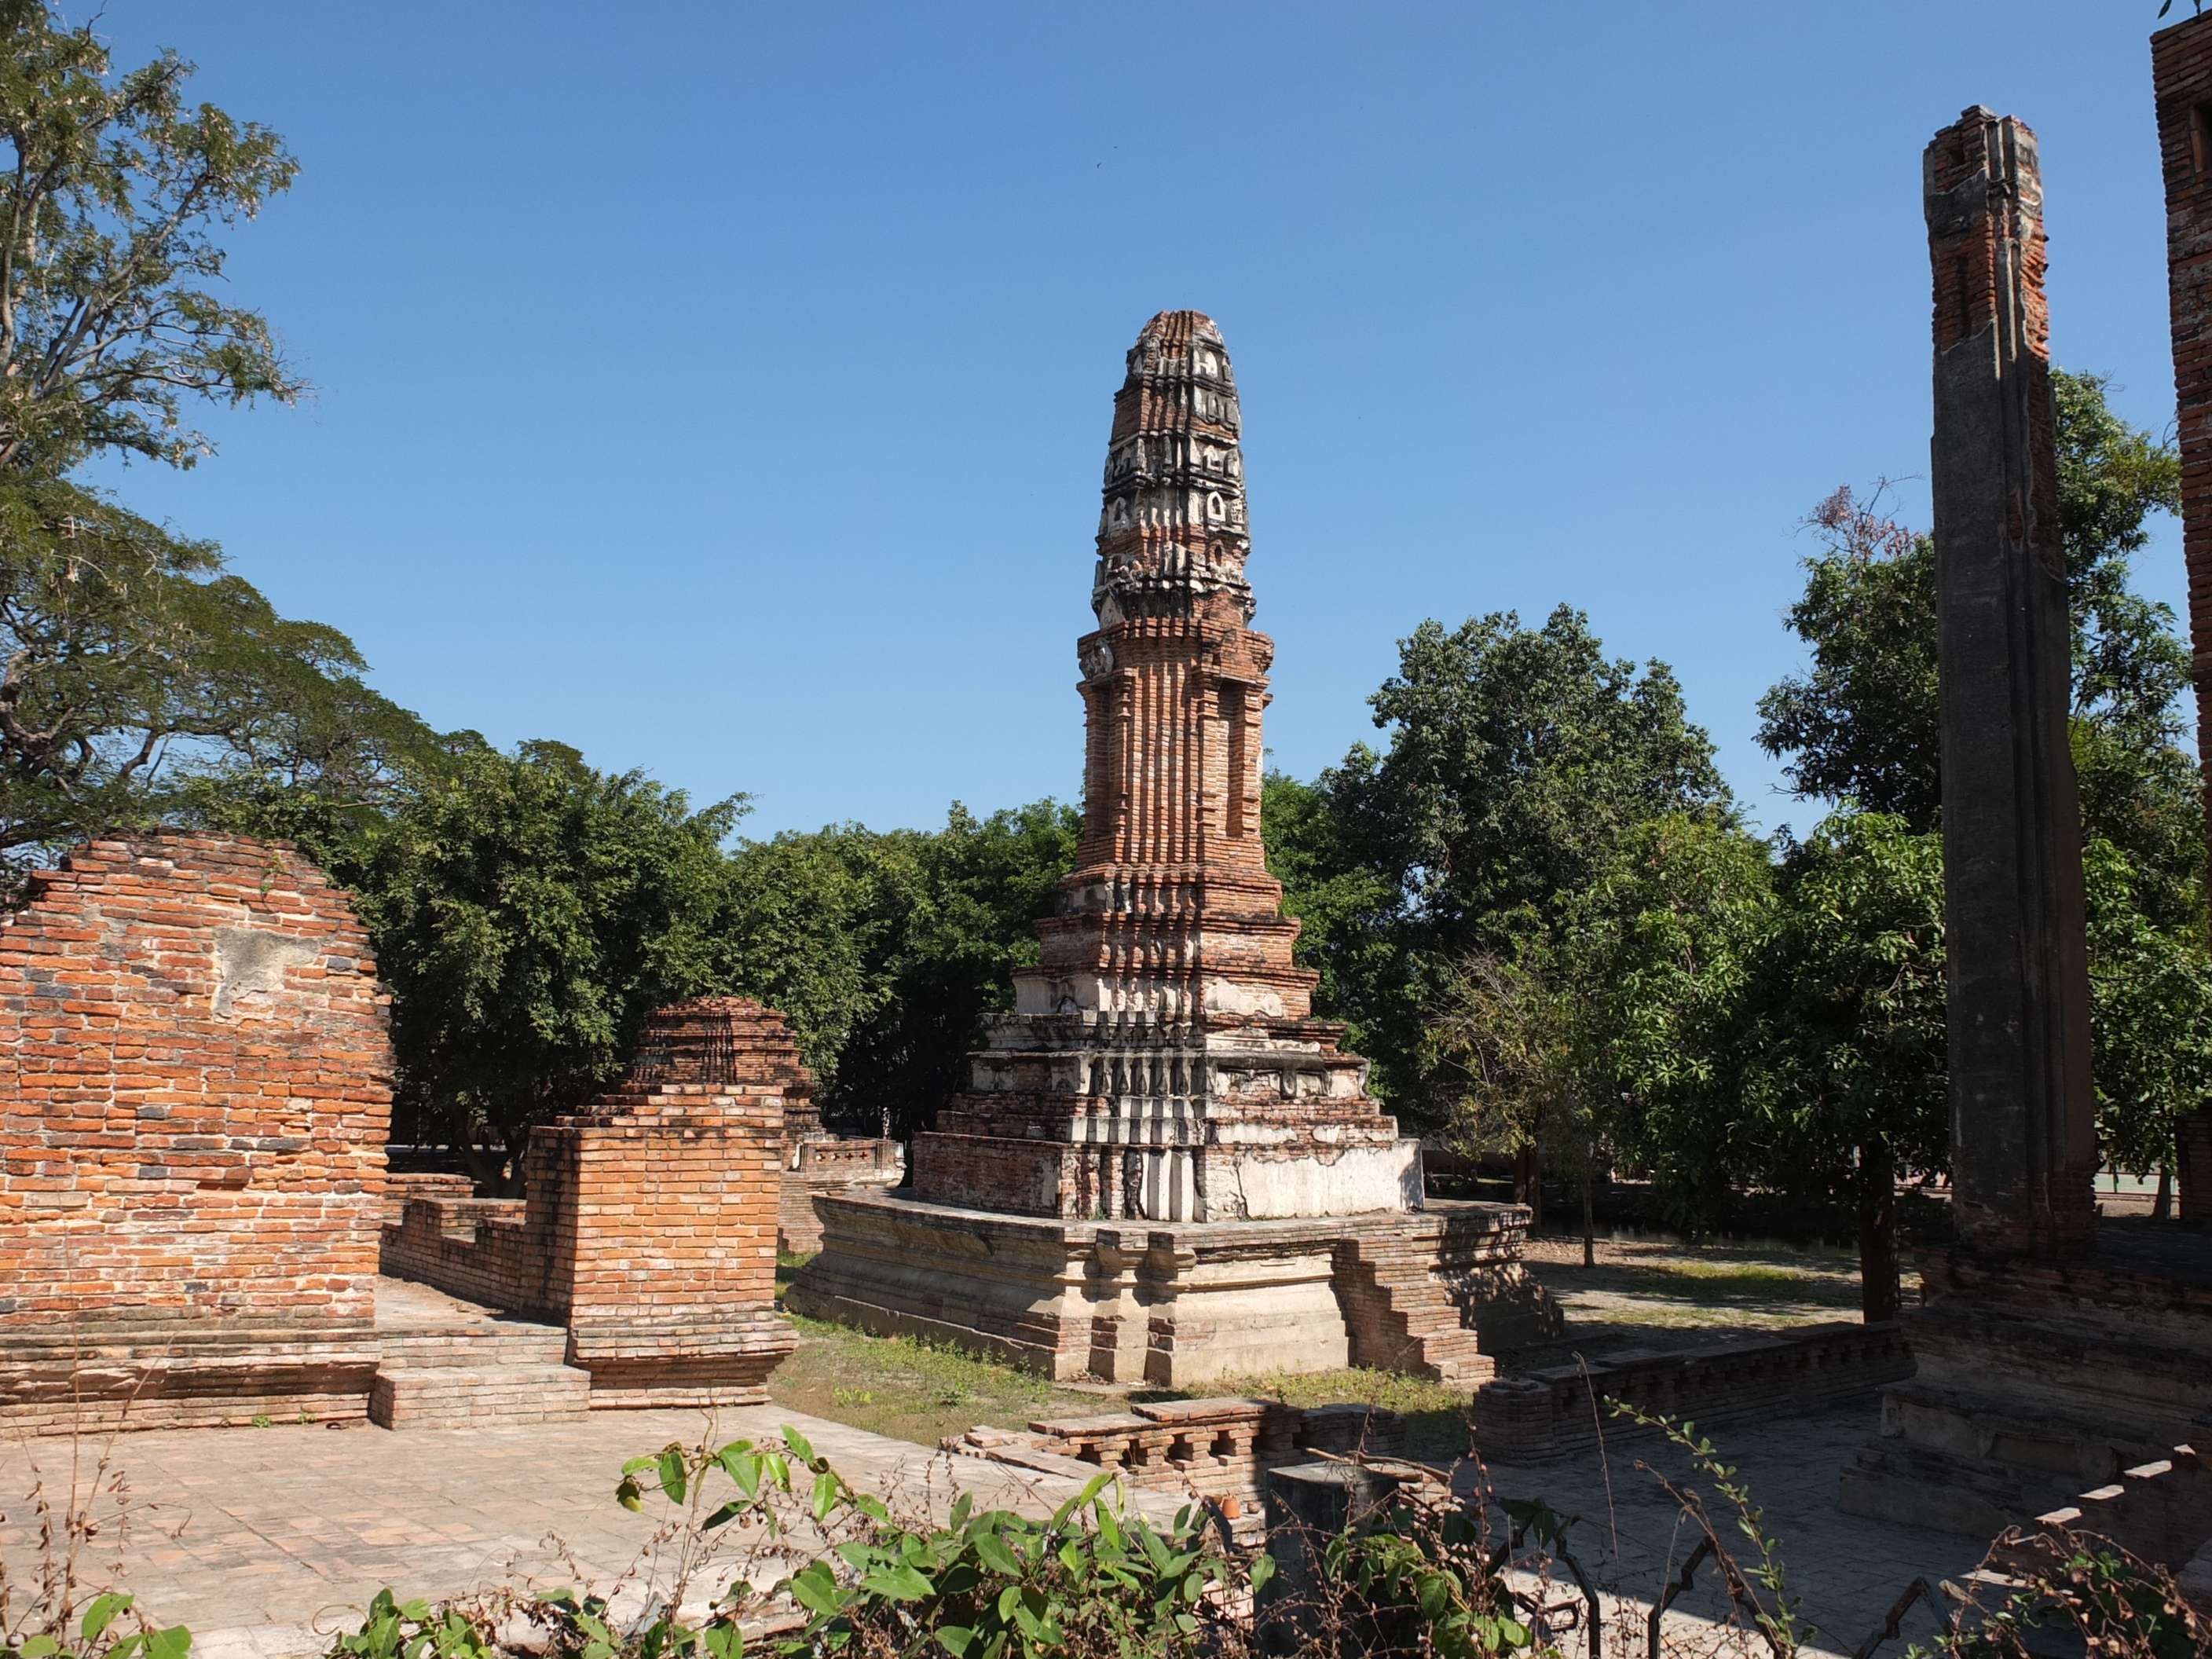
(253, 1536)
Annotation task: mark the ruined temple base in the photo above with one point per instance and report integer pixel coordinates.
(2037, 1382)
(1173, 1304)
(105, 1376)
(827, 1167)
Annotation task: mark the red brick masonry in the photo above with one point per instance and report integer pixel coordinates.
(649, 1228)
(194, 1096)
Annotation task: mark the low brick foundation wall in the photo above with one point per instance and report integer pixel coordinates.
(830, 1167)
(1564, 1408)
(1216, 1448)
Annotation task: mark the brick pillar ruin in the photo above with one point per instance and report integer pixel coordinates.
(2023, 1124)
(2181, 73)
(649, 1224)
(194, 1095)
(1164, 1168)
(2052, 1354)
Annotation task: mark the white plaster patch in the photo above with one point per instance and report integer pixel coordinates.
(250, 964)
(1358, 1180)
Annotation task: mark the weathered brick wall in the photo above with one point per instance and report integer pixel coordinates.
(194, 1096)
(649, 1224)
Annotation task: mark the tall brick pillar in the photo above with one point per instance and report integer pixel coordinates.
(2023, 1129)
(2181, 71)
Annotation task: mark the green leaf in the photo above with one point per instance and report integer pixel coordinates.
(899, 1583)
(801, 1448)
(101, 1613)
(722, 1516)
(724, 1641)
(961, 1507)
(991, 1550)
(173, 1642)
(40, 1647)
(627, 1495)
(674, 1477)
(817, 1587)
(955, 1639)
(825, 1493)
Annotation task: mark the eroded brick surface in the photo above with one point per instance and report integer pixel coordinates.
(194, 1096)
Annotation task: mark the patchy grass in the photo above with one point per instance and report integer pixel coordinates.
(913, 1390)
(923, 1391)
(1650, 1292)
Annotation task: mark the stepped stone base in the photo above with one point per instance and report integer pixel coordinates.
(146, 1374)
(450, 1364)
(2037, 1381)
(1180, 1303)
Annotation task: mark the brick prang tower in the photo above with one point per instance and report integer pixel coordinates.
(1161, 1062)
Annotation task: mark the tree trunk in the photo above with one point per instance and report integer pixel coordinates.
(1528, 1185)
(2162, 1207)
(1590, 1212)
(1879, 1295)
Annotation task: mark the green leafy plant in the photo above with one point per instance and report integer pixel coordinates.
(58, 1612)
(2062, 1580)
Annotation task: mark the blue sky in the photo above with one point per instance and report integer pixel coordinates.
(724, 388)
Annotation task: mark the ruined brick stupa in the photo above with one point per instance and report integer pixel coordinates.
(1212, 1190)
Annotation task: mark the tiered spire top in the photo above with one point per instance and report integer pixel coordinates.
(1172, 534)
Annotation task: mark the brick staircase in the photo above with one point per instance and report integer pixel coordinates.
(1401, 1316)
(448, 1365)
(2162, 1511)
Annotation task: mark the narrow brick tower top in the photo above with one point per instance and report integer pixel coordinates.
(1171, 910)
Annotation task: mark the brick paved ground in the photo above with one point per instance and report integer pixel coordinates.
(1848, 1571)
(249, 1535)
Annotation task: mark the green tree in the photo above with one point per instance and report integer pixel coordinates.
(890, 950)
(528, 913)
(1844, 1070)
(2150, 990)
(134, 669)
(1862, 723)
(1656, 965)
(111, 192)
(1520, 762)
(808, 923)
(981, 884)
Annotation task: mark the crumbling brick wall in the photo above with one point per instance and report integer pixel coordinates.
(648, 1225)
(194, 1096)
